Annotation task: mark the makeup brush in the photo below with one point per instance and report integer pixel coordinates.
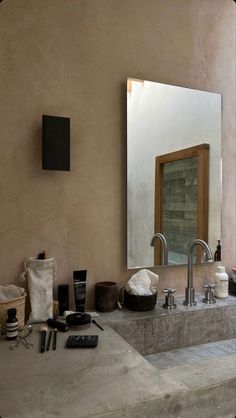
(54, 339)
(43, 331)
(49, 340)
(99, 326)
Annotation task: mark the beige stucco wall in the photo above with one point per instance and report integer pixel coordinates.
(71, 58)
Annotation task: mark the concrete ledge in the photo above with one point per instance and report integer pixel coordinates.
(161, 330)
(216, 402)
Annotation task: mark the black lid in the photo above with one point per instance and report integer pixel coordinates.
(11, 312)
(80, 274)
(78, 318)
(63, 286)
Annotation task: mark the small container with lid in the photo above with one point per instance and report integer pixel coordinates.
(221, 283)
(11, 324)
(233, 277)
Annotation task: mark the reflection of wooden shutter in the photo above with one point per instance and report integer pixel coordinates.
(129, 83)
(181, 199)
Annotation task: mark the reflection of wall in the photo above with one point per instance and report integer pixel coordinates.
(166, 119)
(72, 58)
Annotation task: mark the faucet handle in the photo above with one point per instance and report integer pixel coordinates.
(209, 294)
(169, 290)
(209, 286)
(169, 300)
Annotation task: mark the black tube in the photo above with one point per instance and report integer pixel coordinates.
(79, 277)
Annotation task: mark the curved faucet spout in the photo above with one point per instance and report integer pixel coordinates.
(189, 292)
(164, 246)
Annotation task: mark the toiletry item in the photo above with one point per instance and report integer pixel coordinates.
(61, 326)
(221, 283)
(82, 341)
(49, 340)
(54, 345)
(42, 256)
(55, 309)
(40, 275)
(43, 332)
(79, 318)
(91, 313)
(11, 324)
(106, 296)
(63, 298)
(79, 278)
(233, 276)
(95, 323)
(217, 255)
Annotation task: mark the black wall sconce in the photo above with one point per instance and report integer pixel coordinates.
(55, 143)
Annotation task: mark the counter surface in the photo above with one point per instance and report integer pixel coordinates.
(75, 382)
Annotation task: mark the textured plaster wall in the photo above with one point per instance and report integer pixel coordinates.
(71, 58)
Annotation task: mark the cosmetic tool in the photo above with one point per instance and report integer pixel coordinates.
(43, 331)
(49, 340)
(54, 339)
(99, 326)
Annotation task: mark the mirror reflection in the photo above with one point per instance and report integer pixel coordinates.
(173, 171)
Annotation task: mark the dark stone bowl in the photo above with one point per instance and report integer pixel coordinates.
(139, 303)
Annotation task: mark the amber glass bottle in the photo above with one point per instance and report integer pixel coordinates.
(217, 256)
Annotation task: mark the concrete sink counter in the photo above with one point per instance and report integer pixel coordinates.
(161, 330)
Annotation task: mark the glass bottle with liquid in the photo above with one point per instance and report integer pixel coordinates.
(11, 324)
(217, 255)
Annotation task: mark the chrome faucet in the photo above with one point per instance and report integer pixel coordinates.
(164, 246)
(189, 291)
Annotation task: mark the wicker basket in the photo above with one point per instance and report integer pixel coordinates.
(19, 305)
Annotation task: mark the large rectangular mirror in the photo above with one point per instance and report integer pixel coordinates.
(173, 170)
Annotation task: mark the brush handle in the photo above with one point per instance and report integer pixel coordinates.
(49, 340)
(61, 326)
(54, 339)
(43, 339)
(99, 326)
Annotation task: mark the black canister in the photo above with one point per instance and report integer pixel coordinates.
(106, 296)
(63, 298)
(11, 324)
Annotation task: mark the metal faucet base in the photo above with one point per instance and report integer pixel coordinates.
(208, 301)
(186, 303)
(169, 306)
(189, 297)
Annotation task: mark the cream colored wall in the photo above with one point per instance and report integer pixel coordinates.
(71, 58)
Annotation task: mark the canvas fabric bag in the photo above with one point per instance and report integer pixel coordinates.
(40, 275)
